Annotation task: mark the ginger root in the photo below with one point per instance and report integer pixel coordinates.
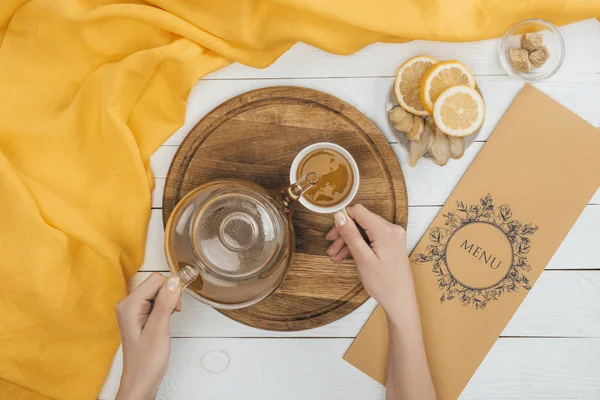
(401, 120)
(440, 148)
(424, 137)
(457, 147)
(417, 148)
(417, 129)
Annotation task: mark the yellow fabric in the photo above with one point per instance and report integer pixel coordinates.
(89, 89)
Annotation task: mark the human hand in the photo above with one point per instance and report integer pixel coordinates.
(144, 318)
(383, 265)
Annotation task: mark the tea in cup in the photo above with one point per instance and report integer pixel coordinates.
(339, 177)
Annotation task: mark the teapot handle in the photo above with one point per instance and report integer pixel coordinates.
(289, 195)
(187, 275)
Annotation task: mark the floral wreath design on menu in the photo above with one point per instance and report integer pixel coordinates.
(501, 216)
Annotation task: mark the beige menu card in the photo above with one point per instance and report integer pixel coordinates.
(493, 238)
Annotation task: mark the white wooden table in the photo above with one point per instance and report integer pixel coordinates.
(551, 347)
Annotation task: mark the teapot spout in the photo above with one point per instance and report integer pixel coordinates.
(289, 195)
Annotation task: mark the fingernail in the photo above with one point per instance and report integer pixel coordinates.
(328, 236)
(173, 283)
(339, 218)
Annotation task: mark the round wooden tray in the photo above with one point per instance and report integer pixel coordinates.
(255, 136)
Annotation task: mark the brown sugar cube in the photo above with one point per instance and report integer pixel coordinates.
(539, 57)
(520, 60)
(531, 41)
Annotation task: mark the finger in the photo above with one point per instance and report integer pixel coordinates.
(335, 247)
(360, 250)
(129, 309)
(126, 319)
(342, 255)
(179, 305)
(332, 234)
(164, 305)
(373, 224)
(148, 289)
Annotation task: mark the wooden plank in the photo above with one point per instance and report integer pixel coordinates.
(582, 56)
(427, 184)
(579, 250)
(157, 192)
(561, 304)
(538, 369)
(371, 96)
(596, 198)
(218, 368)
(200, 320)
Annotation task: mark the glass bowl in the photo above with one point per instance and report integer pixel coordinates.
(552, 40)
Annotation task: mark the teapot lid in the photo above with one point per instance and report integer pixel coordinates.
(237, 233)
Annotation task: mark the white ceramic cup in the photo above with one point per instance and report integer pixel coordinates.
(353, 166)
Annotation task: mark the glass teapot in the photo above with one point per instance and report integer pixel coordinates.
(231, 242)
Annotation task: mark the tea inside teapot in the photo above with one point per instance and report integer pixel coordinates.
(232, 241)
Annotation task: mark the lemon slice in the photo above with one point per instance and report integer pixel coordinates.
(459, 111)
(407, 84)
(440, 77)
